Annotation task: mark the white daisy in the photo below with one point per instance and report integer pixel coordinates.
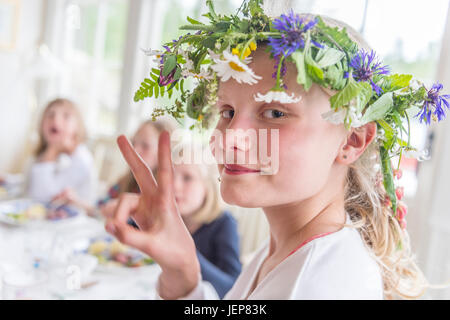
(344, 115)
(231, 67)
(335, 117)
(275, 95)
(153, 53)
(420, 155)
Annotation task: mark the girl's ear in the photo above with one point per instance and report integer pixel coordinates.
(357, 142)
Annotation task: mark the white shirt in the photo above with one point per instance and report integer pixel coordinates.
(336, 266)
(75, 171)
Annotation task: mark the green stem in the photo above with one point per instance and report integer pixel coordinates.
(278, 83)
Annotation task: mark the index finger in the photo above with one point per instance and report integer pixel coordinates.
(141, 172)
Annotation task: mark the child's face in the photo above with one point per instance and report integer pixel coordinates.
(190, 191)
(308, 145)
(59, 125)
(146, 144)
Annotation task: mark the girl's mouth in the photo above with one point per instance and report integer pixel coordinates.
(234, 169)
(54, 130)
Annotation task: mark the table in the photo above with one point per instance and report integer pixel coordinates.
(19, 247)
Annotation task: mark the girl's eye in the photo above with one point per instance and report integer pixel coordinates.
(228, 114)
(187, 178)
(272, 113)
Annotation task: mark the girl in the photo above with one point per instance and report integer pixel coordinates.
(145, 142)
(62, 159)
(214, 231)
(335, 232)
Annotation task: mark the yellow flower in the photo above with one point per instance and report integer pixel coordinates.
(200, 117)
(252, 46)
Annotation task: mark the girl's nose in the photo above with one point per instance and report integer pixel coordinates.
(241, 134)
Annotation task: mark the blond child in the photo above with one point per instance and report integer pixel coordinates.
(337, 230)
(62, 160)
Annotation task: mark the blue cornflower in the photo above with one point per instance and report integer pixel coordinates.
(434, 100)
(365, 66)
(292, 28)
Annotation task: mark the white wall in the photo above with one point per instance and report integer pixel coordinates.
(16, 85)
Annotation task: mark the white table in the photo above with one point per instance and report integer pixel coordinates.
(19, 244)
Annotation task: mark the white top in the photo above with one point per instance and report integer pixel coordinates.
(75, 171)
(336, 266)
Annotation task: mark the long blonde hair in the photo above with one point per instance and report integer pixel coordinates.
(379, 229)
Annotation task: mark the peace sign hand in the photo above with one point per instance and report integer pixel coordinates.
(162, 233)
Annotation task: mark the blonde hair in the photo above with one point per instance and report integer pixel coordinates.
(81, 134)
(128, 183)
(379, 229)
(212, 206)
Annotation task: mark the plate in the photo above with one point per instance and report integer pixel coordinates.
(115, 256)
(20, 212)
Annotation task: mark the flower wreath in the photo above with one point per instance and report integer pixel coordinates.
(366, 91)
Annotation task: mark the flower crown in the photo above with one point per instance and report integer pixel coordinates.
(325, 55)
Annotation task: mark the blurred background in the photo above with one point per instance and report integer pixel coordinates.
(90, 51)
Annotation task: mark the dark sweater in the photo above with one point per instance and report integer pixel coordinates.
(218, 252)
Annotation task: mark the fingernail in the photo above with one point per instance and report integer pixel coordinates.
(110, 227)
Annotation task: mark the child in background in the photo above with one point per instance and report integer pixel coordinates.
(214, 230)
(145, 141)
(62, 159)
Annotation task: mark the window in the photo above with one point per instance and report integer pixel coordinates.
(93, 54)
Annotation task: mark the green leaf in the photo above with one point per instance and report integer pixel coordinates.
(364, 96)
(379, 108)
(162, 91)
(169, 65)
(222, 26)
(150, 92)
(338, 36)
(330, 57)
(156, 92)
(312, 67)
(302, 77)
(155, 78)
(193, 21)
(388, 133)
(209, 42)
(398, 81)
(346, 95)
(314, 71)
(243, 26)
(155, 71)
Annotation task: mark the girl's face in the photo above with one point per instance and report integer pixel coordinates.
(146, 144)
(60, 124)
(308, 145)
(189, 186)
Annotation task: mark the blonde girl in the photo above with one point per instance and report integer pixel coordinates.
(62, 160)
(145, 142)
(332, 233)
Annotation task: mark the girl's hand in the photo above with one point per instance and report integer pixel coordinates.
(107, 210)
(67, 196)
(162, 234)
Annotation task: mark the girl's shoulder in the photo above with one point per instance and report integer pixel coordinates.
(340, 266)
